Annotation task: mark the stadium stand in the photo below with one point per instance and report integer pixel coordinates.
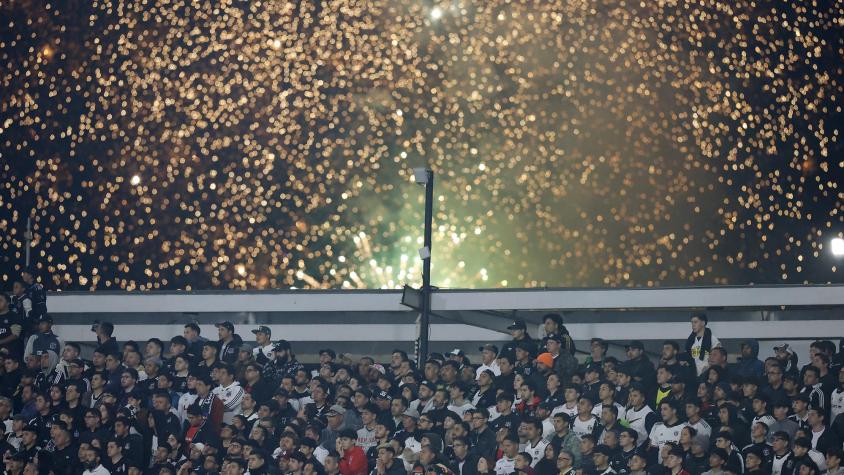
(560, 394)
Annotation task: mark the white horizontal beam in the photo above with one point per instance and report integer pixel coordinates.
(789, 329)
(390, 301)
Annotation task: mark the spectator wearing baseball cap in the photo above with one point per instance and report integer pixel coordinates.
(489, 360)
(518, 330)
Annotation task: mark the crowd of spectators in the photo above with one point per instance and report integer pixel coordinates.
(532, 407)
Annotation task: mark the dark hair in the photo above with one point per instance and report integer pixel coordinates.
(106, 328)
(193, 326)
(672, 344)
(812, 369)
(701, 316)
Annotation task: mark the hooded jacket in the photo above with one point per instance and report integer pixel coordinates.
(750, 366)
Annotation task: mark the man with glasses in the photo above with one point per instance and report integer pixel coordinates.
(463, 461)
(482, 437)
(564, 463)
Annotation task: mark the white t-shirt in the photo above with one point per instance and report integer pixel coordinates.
(571, 411)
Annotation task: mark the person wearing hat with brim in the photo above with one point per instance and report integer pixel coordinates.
(263, 351)
(518, 330)
(44, 339)
(489, 360)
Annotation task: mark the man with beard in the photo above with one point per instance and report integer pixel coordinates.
(283, 363)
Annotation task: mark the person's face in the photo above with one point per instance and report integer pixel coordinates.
(207, 352)
(425, 423)
(331, 465)
(133, 359)
(814, 419)
(563, 462)
(28, 438)
(521, 462)
(55, 393)
(668, 352)
(800, 451)
(346, 443)
(697, 324)
(633, 353)
(692, 410)
(553, 346)
(69, 352)
(504, 365)
(517, 333)
(524, 393)
(604, 392)
(502, 405)
(833, 460)
(586, 446)
(510, 448)
(488, 356)
(667, 412)
(255, 462)
(810, 378)
(584, 406)
(799, 406)
(71, 393)
(722, 443)
(607, 417)
(673, 461)
(112, 362)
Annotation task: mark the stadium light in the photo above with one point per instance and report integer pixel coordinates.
(836, 245)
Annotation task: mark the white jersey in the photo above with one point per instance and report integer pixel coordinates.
(230, 396)
(778, 462)
(366, 438)
(537, 452)
(637, 422)
(571, 411)
(505, 466)
(662, 434)
(622, 411)
(702, 427)
(460, 410)
(702, 365)
(267, 350)
(581, 428)
(837, 406)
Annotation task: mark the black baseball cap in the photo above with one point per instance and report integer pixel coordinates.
(635, 344)
(517, 324)
(45, 318)
(489, 347)
(281, 345)
(263, 329)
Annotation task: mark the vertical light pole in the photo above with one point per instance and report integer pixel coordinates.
(425, 176)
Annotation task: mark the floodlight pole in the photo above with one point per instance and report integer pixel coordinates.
(425, 316)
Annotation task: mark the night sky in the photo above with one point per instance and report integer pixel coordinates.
(180, 144)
